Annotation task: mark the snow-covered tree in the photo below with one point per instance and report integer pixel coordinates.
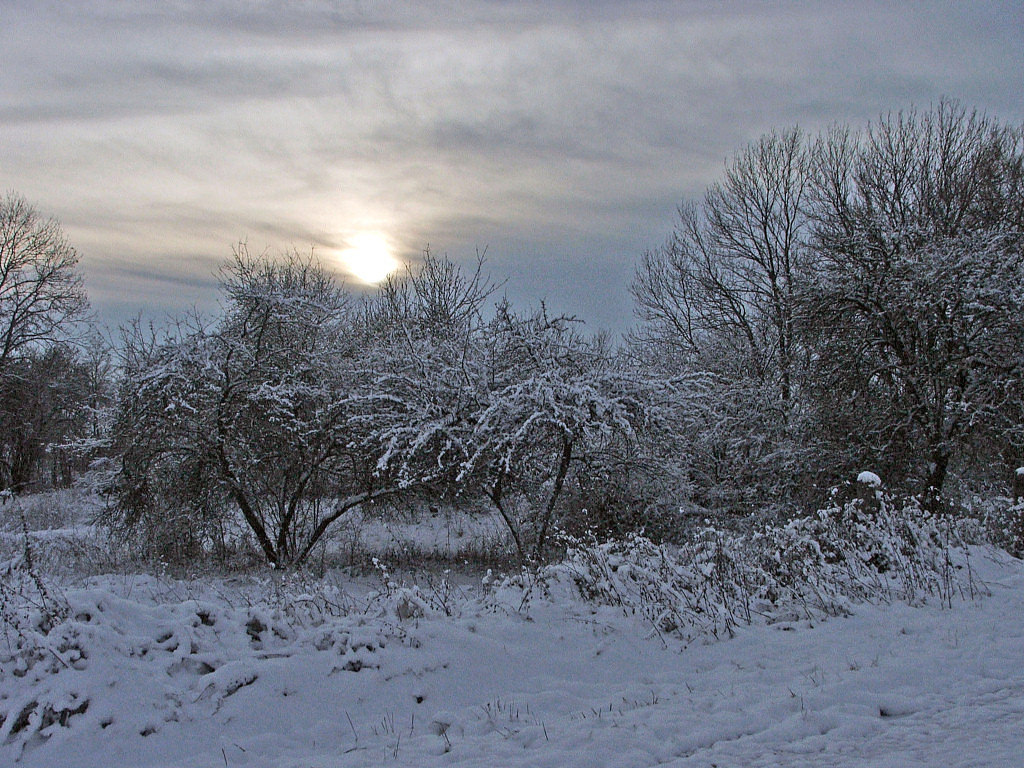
(853, 298)
(721, 302)
(555, 404)
(917, 303)
(275, 412)
(427, 329)
(167, 490)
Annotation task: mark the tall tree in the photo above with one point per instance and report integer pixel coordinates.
(41, 292)
(917, 301)
(41, 299)
(723, 298)
(725, 288)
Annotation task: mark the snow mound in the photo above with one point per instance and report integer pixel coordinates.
(129, 668)
(869, 479)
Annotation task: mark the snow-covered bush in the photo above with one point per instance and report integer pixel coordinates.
(31, 610)
(49, 510)
(28, 605)
(817, 565)
(1003, 524)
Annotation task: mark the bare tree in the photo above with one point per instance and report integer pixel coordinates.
(44, 407)
(41, 293)
(725, 288)
(41, 298)
(722, 299)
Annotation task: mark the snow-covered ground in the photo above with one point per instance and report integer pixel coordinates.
(208, 674)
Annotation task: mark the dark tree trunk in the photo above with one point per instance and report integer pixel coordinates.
(563, 468)
(936, 477)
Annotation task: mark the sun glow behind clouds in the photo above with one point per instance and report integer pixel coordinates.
(369, 258)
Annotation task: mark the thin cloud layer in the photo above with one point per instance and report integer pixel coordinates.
(560, 136)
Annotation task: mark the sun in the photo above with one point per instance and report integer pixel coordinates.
(369, 258)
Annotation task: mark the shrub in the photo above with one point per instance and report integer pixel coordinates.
(818, 565)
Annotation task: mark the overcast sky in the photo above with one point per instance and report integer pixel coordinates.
(560, 136)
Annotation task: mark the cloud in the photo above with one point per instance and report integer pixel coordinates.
(559, 134)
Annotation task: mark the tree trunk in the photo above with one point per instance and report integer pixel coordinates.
(556, 491)
(937, 472)
(497, 498)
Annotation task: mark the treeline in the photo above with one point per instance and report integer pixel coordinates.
(857, 298)
(834, 303)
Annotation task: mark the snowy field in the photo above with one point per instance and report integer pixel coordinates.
(366, 672)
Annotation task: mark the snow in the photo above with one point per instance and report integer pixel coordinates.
(205, 674)
(870, 479)
(1020, 471)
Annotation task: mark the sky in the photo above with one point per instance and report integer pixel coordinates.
(557, 137)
